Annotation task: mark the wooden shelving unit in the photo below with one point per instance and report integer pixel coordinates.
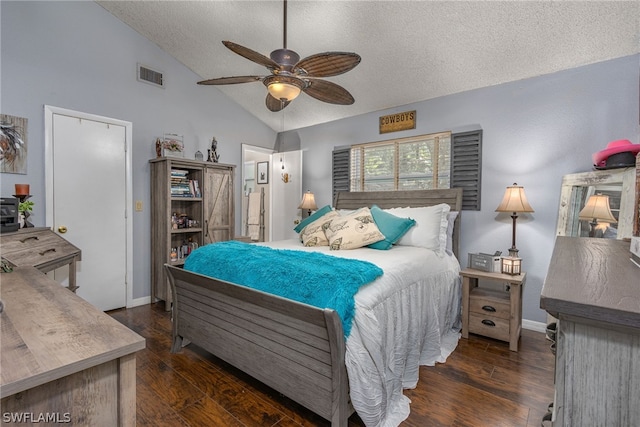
(203, 216)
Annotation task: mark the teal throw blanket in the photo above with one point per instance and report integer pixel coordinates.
(313, 278)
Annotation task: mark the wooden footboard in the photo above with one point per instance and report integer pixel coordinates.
(294, 348)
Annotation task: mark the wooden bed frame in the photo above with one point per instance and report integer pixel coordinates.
(292, 347)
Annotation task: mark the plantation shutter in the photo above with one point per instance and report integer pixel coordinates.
(340, 176)
(466, 167)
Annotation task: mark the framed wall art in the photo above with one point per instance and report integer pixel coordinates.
(13, 144)
(263, 173)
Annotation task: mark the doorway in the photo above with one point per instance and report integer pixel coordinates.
(88, 200)
(282, 189)
(251, 156)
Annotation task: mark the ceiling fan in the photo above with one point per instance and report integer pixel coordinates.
(290, 75)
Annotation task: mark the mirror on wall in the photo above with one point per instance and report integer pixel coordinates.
(618, 184)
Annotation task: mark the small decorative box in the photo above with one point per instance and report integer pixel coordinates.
(485, 262)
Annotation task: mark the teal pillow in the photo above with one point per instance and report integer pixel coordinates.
(393, 227)
(308, 220)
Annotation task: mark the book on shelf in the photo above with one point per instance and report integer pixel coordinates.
(196, 187)
(185, 188)
(182, 186)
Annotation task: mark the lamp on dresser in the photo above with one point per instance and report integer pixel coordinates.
(597, 209)
(514, 201)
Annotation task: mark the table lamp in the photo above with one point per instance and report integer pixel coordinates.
(596, 209)
(308, 202)
(514, 201)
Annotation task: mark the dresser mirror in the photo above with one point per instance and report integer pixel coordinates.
(618, 184)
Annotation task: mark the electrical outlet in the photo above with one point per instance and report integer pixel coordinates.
(138, 205)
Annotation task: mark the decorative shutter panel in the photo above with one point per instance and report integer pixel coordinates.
(466, 167)
(341, 162)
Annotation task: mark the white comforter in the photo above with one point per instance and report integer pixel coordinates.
(406, 318)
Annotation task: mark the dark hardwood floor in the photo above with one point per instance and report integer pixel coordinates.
(481, 384)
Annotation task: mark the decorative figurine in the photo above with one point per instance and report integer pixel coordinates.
(158, 148)
(213, 155)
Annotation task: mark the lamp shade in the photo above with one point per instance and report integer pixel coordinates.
(514, 200)
(308, 202)
(284, 87)
(597, 208)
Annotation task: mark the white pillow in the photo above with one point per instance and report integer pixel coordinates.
(430, 231)
(451, 219)
(345, 212)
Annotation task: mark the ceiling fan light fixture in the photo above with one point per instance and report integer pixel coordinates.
(290, 75)
(284, 87)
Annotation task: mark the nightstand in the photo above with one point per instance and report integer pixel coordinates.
(492, 313)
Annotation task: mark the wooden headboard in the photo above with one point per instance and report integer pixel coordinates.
(401, 199)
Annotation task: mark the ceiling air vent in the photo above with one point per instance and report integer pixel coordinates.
(147, 75)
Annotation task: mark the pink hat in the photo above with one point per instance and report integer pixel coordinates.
(615, 147)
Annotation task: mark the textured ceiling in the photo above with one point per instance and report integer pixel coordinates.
(411, 50)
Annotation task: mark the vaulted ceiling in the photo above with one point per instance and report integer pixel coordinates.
(411, 50)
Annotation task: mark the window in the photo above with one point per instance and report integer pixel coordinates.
(418, 163)
(442, 160)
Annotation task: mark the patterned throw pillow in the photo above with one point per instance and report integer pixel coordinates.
(313, 234)
(353, 231)
(314, 216)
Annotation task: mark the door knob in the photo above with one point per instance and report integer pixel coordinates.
(62, 229)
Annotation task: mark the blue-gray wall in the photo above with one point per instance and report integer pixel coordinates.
(78, 56)
(534, 132)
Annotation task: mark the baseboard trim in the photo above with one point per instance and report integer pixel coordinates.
(139, 301)
(534, 326)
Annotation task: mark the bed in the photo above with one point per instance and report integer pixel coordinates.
(301, 351)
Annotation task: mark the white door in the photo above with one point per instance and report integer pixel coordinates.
(286, 193)
(88, 196)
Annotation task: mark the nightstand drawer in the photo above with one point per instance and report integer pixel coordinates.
(487, 302)
(489, 326)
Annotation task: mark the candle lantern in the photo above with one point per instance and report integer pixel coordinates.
(511, 265)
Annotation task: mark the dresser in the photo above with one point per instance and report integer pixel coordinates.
(63, 360)
(40, 247)
(593, 289)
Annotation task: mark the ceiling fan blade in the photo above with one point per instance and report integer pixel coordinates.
(274, 104)
(252, 55)
(231, 80)
(326, 91)
(327, 64)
